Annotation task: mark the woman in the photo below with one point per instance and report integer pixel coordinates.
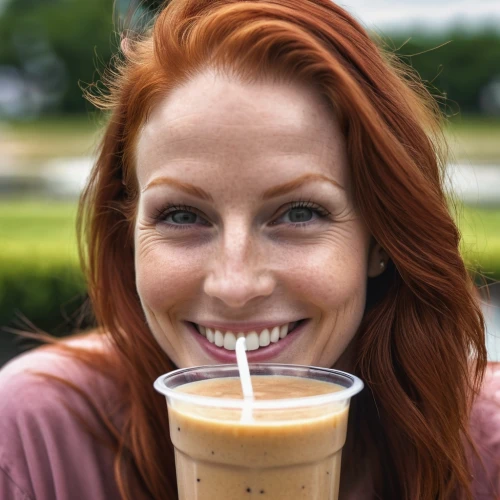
(265, 169)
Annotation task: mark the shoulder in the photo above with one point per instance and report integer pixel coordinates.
(43, 402)
(485, 432)
(40, 378)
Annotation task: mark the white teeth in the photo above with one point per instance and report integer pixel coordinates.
(252, 341)
(264, 338)
(283, 331)
(229, 341)
(219, 338)
(275, 334)
(210, 335)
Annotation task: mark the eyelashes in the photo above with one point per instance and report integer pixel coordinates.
(310, 205)
(170, 210)
(161, 214)
(189, 217)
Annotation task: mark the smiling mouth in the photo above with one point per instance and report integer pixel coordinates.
(254, 340)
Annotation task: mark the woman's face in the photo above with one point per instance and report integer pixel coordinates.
(246, 226)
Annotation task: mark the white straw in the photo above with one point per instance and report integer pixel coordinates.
(246, 382)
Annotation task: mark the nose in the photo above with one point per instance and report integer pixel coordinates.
(239, 271)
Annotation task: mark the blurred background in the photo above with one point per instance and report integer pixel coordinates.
(50, 49)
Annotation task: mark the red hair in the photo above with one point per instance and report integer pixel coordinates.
(420, 348)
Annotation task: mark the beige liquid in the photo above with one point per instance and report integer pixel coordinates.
(279, 455)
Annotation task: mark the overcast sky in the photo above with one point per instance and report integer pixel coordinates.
(424, 13)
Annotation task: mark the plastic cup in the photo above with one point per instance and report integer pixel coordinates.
(289, 449)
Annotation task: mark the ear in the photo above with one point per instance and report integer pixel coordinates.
(126, 46)
(377, 260)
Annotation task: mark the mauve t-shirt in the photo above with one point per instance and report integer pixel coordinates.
(46, 454)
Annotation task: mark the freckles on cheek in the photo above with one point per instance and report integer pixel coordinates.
(165, 276)
(331, 281)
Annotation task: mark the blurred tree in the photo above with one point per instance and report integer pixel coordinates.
(457, 65)
(56, 44)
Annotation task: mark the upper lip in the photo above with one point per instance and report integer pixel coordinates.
(243, 327)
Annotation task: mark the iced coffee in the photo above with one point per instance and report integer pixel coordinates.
(285, 444)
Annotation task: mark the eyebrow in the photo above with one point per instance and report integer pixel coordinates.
(268, 194)
(183, 186)
(296, 183)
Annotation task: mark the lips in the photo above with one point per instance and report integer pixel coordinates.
(254, 339)
(260, 354)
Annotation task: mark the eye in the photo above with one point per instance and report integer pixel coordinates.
(302, 213)
(179, 217)
(299, 214)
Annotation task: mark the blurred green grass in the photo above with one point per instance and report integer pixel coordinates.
(40, 231)
(58, 125)
(32, 142)
(480, 245)
(474, 139)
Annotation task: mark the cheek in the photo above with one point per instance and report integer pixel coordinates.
(166, 275)
(330, 276)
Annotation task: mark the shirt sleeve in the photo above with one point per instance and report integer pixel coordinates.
(9, 489)
(485, 431)
(45, 451)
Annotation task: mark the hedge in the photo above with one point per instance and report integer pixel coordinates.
(47, 296)
(40, 281)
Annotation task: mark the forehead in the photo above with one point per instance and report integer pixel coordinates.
(221, 120)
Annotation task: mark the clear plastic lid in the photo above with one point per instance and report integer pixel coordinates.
(168, 383)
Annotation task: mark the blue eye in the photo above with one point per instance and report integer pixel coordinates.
(300, 214)
(181, 217)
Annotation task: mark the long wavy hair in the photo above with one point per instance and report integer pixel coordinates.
(420, 348)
